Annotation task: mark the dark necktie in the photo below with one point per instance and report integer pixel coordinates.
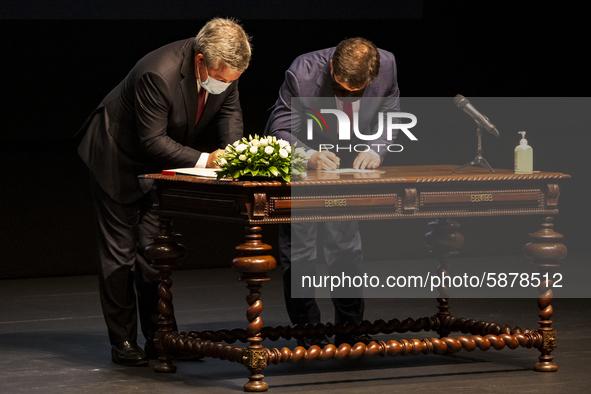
(200, 104)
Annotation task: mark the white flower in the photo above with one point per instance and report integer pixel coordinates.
(222, 162)
(241, 147)
(254, 143)
(264, 142)
(269, 150)
(288, 148)
(253, 149)
(236, 143)
(283, 153)
(300, 151)
(242, 157)
(229, 148)
(283, 143)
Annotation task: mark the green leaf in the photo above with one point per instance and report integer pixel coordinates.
(273, 170)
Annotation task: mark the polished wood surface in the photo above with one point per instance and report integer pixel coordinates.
(416, 192)
(402, 174)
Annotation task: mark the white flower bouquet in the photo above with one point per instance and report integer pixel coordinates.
(266, 157)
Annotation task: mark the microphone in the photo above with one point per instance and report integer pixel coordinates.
(482, 121)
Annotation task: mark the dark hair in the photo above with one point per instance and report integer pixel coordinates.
(356, 62)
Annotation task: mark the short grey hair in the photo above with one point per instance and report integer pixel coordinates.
(224, 41)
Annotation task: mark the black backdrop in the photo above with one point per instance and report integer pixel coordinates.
(56, 67)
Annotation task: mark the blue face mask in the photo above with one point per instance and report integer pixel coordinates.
(213, 86)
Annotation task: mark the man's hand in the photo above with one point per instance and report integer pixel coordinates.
(324, 160)
(213, 156)
(366, 160)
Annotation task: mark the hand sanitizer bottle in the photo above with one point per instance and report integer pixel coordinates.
(524, 156)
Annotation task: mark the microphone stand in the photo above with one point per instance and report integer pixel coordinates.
(479, 160)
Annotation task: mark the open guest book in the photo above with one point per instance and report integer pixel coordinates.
(205, 172)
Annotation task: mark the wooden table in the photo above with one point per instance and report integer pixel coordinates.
(428, 192)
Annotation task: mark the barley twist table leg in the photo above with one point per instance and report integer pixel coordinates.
(164, 252)
(443, 240)
(253, 265)
(546, 252)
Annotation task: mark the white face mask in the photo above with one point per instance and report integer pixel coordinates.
(213, 86)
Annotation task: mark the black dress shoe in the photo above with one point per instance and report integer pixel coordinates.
(352, 339)
(309, 342)
(128, 353)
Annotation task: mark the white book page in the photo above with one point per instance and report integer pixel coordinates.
(204, 172)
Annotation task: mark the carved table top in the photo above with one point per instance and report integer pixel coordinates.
(428, 191)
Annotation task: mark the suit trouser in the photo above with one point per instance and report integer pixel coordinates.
(127, 282)
(298, 255)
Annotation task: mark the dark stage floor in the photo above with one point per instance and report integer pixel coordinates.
(53, 340)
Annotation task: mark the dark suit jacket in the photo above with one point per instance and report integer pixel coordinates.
(147, 123)
(309, 76)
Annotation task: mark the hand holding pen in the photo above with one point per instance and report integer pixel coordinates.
(324, 160)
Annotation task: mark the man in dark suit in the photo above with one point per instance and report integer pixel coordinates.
(153, 120)
(356, 69)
